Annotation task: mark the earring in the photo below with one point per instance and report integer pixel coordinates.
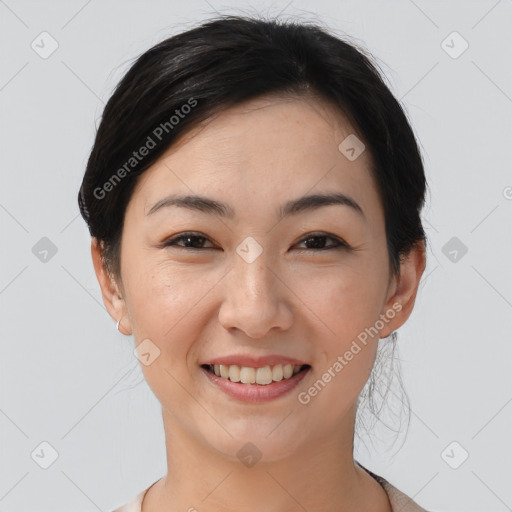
(117, 327)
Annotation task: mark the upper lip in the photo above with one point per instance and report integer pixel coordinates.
(254, 362)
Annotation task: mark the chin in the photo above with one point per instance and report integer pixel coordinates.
(257, 441)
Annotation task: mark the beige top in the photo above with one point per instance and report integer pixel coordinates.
(400, 502)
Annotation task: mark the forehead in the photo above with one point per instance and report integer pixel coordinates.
(259, 153)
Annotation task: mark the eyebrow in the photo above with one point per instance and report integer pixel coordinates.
(293, 207)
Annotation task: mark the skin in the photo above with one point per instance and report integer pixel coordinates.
(310, 305)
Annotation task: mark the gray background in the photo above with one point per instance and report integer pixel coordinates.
(67, 378)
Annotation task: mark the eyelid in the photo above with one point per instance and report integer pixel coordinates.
(170, 242)
(340, 243)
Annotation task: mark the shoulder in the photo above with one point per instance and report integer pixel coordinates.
(134, 505)
(399, 501)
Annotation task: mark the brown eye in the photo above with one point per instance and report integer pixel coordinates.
(191, 241)
(317, 242)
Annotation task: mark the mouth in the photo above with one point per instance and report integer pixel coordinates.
(261, 376)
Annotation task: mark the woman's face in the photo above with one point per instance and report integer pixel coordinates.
(254, 284)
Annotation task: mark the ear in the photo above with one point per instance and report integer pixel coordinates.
(403, 289)
(112, 298)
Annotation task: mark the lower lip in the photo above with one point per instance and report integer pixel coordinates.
(255, 392)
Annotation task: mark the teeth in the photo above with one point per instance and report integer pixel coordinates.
(261, 376)
(277, 373)
(247, 375)
(234, 373)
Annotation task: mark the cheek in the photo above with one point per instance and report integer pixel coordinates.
(169, 305)
(348, 302)
(166, 309)
(345, 357)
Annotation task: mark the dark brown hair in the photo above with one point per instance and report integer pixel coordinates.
(187, 78)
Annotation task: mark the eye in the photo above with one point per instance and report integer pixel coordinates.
(189, 238)
(195, 241)
(319, 241)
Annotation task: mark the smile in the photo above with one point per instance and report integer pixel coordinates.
(262, 376)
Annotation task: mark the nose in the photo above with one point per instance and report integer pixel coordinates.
(255, 299)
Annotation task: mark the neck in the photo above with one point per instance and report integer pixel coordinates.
(319, 476)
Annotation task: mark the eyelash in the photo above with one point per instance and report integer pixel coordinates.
(339, 243)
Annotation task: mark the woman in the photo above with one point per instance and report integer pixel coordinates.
(254, 196)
